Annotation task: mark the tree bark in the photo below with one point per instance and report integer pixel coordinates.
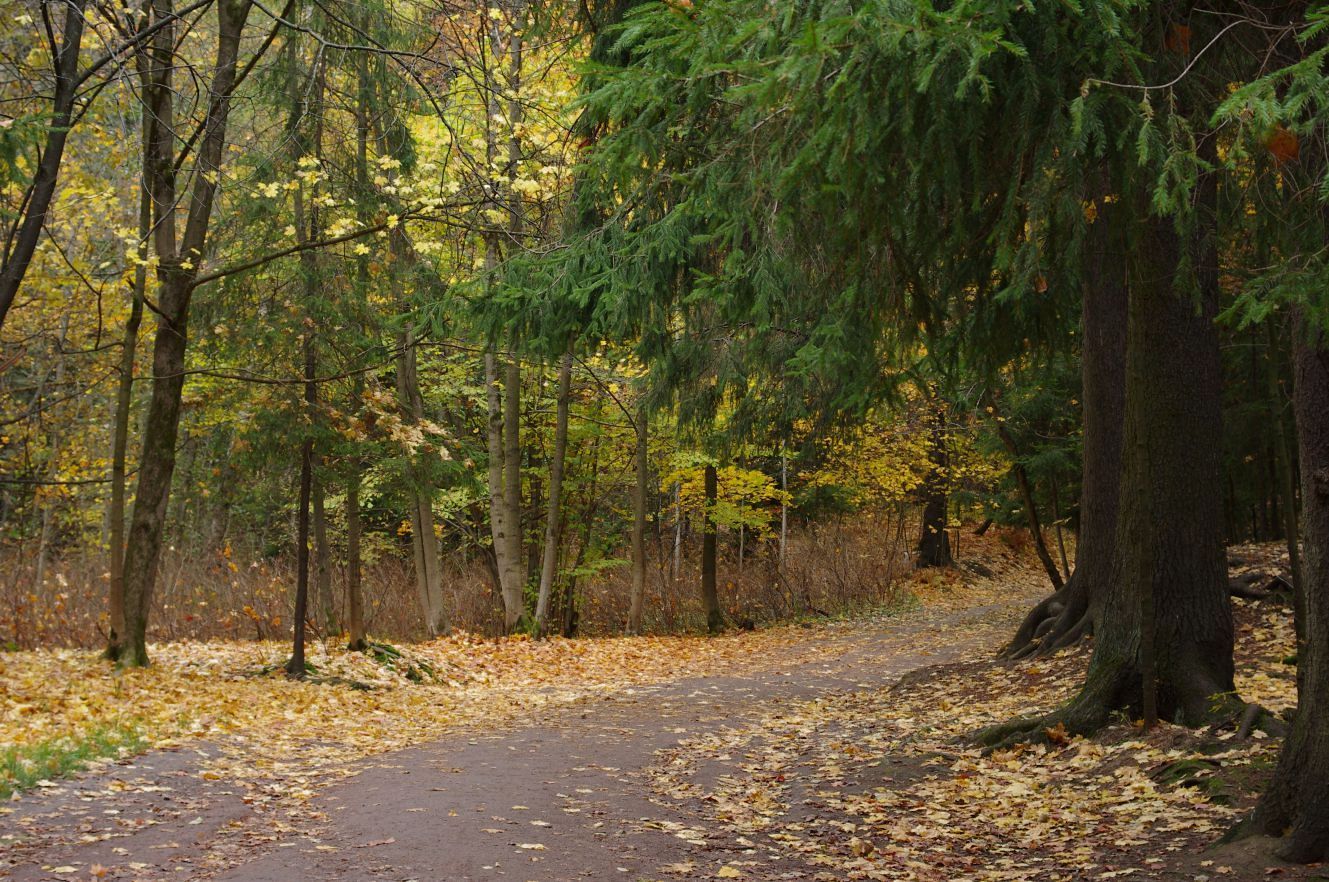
(124, 396)
(1283, 462)
(1064, 617)
(177, 269)
(1164, 630)
(514, 588)
(428, 567)
(710, 597)
(295, 666)
(508, 566)
(934, 543)
(639, 501)
(21, 243)
(1294, 803)
(355, 605)
(323, 564)
(553, 513)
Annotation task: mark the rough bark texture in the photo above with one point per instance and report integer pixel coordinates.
(553, 513)
(1064, 617)
(161, 426)
(1295, 802)
(934, 543)
(1170, 566)
(710, 597)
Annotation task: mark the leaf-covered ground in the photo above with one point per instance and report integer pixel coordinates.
(789, 753)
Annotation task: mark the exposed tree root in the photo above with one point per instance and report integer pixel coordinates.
(1057, 621)
(1116, 690)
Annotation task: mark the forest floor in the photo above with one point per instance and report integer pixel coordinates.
(829, 751)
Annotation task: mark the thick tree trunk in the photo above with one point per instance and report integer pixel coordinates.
(639, 500)
(1164, 630)
(553, 514)
(934, 543)
(161, 426)
(355, 604)
(1064, 617)
(710, 597)
(1295, 803)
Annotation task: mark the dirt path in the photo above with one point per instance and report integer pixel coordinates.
(566, 794)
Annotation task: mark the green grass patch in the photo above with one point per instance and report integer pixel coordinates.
(22, 767)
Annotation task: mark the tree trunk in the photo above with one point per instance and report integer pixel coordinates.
(323, 564)
(176, 276)
(1287, 481)
(1294, 803)
(934, 544)
(27, 231)
(639, 501)
(1064, 617)
(428, 567)
(710, 597)
(355, 605)
(553, 514)
(784, 505)
(514, 587)
(1165, 614)
(501, 528)
(124, 400)
(295, 666)
(1030, 506)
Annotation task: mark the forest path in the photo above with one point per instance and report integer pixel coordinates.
(571, 792)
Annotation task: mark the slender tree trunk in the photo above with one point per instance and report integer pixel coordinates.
(1064, 617)
(429, 568)
(514, 587)
(1030, 506)
(1056, 521)
(355, 605)
(639, 502)
(295, 666)
(323, 563)
(784, 505)
(21, 241)
(124, 400)
(676, 559)
(498, 511)
(1294, 803)
(934, 544)
(1287, 481)
(710, 597)
(553, 514)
